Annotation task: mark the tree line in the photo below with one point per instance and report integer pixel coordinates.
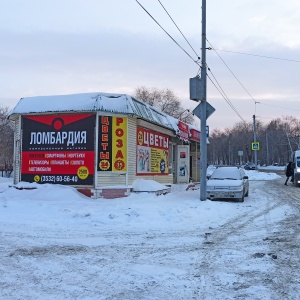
(278, 138)
(6, 142)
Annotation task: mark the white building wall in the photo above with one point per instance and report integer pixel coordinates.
(131, 155)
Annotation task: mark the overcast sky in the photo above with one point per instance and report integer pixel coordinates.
(54, 47)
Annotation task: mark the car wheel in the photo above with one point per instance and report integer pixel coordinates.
(296, 183)
(242, 199)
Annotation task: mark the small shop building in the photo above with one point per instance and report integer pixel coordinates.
(101, 143)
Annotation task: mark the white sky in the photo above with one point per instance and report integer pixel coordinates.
(75, 46)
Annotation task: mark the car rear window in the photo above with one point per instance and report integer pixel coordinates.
(226, 173)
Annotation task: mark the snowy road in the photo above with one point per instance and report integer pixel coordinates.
(255, 256)
(252, 254)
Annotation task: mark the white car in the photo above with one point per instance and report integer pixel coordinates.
(228, 183)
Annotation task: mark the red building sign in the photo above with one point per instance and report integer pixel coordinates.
(195, 135)
(183, 131)
(58, 149)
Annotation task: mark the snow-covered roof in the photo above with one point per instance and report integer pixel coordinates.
(87, 102)
(115, 103)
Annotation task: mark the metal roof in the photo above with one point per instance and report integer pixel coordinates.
(88, 102)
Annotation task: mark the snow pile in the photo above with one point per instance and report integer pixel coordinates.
(255, 175)
(143, 185)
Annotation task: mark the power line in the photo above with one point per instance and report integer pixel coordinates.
(223, 94)
(280, 107)
(256, 102)
(167, 33)
(226, 97)
(178, 29)
(257, 55)
(268, 118)
(233, 74)
(220, 88)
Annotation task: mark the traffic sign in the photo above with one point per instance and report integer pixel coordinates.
(209, 110)
(255, 146)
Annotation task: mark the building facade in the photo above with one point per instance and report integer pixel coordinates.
(95, 141)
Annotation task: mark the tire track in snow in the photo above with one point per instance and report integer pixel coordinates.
(224, 254)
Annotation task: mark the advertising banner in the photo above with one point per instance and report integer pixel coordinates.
(58, 149)
(112, 144)
(183, 131)
(195, 135)
(152, 152)
(183, 159)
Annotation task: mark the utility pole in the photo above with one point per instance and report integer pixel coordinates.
(267, 146)
(198, 92)
(229, 150)
(203, 143)
(254, 140)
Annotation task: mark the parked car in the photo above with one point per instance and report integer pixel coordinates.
(250, 166)
(228, 183)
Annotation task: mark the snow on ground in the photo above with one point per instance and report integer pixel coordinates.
(57, 204)
(58, 244)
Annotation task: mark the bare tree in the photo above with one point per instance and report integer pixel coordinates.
(6, 141)
(278, 139)
(166, 101)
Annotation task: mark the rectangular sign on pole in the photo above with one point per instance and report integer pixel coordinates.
(196, 89)
(255, 146)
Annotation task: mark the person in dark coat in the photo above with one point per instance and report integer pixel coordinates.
(293, 167)
(288, 172)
